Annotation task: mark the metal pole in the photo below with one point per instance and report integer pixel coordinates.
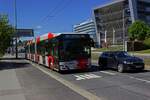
(123, 26)
(113, 36)
(15, 6)
(106, 39)
(105, 36)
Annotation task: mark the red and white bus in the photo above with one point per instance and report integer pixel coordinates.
(61, 52)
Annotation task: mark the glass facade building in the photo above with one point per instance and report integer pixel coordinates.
(113, 19)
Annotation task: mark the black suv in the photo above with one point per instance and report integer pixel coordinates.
(120, 60)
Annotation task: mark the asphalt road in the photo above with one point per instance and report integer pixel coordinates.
(111, 85)
(34, 82)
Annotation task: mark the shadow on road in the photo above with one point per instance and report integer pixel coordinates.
(137, 71)
(10, 63)
(131, 71)
(12, 59)
(94, 68)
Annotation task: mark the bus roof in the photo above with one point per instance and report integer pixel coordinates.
(69, 33)
(50, 35)
(47, 36)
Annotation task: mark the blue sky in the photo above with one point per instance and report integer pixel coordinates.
(49, 15)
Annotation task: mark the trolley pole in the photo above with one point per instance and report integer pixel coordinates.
(15, 12)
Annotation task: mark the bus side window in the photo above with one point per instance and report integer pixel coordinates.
(56, 51)
(52, 51)
(49, 51)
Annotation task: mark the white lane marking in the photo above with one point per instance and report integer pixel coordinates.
(139, 79)
(68, 84)
(110, 73)
(86, 76)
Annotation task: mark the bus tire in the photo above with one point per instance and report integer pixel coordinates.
(60, 71)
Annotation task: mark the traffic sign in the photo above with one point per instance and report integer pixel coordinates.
(24, 33)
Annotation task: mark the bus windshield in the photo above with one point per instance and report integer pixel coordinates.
(77, 48)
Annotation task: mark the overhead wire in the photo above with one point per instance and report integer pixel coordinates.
(55, 11)
(52, 11)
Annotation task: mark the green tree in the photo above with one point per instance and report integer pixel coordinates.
(139, 30)
(6, 31)
(148, 33)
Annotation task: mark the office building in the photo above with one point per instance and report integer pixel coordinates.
(86, 27)
(113, 19)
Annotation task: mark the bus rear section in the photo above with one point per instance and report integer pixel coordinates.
(30, 50)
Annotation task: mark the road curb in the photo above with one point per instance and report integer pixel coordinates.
(68, 84)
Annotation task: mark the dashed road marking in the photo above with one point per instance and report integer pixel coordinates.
(68, 84)
(86, 76)
(139, 79)
(110, 73)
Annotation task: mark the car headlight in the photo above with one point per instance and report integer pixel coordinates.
(127, 62)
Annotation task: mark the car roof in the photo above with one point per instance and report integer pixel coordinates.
(113, 52)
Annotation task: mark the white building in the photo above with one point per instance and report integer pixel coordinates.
(86, 27)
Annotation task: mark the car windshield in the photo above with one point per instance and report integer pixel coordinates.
(122, 54)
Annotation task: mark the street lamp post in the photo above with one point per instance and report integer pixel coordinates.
(123, 28)
(15, 12)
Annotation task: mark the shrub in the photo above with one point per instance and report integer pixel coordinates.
(147, 43)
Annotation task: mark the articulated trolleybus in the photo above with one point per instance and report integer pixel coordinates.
(61, 52)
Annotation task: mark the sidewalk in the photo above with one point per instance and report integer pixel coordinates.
(135, 54)
(7, 56)
(10, 88)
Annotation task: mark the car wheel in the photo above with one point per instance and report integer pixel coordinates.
(120, 68)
